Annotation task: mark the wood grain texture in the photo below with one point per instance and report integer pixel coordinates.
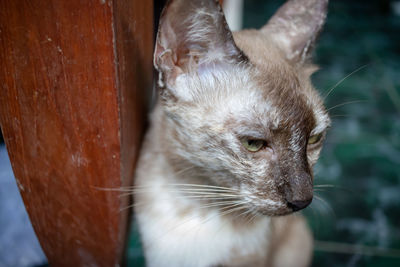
(74, 83)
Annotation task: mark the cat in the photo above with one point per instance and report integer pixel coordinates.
(234, 135)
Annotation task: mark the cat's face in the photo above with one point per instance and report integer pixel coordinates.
(247, 118)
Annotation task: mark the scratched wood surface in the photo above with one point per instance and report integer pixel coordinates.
(75, 78)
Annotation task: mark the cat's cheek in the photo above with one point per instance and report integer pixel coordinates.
(312, 157)
(181, 87)
(265, 154)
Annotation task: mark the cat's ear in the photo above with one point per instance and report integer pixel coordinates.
(296, 26)
(192, 34)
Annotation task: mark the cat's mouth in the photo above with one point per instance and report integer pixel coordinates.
(280, 208)
(299, 204)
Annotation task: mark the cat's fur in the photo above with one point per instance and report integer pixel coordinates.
(203, 199)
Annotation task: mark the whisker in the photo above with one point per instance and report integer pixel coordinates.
(326, 205)
(131, 206)
(343, 79)
(339, 116)
(106, 188)
(209, 195)
(252, 218)
(218, 204)
(186, 192)
(321, 199)
(224, 201)
(200, 197)
(325, 185)
(346, 103)
(184, 222)
(229, 211)
(213, 204)
(205, 190)
(315, 217)
(184, 170)
(245, 213)
(188, 185)
(152, 188)
(336, 187)
(177, 186)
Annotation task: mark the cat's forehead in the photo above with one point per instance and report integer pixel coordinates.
(284, 89)
(271, 96)
(259, 105)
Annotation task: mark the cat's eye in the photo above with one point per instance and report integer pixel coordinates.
(314, 139)
(253, 145)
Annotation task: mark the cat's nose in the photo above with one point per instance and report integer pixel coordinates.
(299, 191)
(299, 204)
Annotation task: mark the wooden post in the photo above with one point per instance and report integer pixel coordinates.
(75, 79)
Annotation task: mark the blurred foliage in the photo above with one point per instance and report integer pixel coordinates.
(360, 163)
(361, 158)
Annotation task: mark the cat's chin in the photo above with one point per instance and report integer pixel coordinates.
(272, 213)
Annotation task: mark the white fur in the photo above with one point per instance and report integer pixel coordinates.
(202, 237)
(195, 240)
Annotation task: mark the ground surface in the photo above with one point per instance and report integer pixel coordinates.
(18, 244)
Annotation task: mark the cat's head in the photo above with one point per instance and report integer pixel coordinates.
(241, 107)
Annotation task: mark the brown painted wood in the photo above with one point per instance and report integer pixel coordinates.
(134, 27)
(75, 77)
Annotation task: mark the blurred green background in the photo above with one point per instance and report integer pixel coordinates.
(356, 217)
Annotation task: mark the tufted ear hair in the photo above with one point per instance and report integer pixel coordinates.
(193, 34)
(296, 26)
